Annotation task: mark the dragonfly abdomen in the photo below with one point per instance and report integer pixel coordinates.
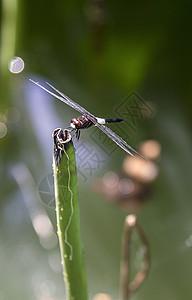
(115, 120)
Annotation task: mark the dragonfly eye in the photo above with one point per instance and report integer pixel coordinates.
(72, 125)
(75, 123)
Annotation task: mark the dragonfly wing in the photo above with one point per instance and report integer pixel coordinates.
(64, 99)
(117, 139)
(73, 103)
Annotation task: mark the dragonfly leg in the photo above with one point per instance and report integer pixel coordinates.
(77, 134)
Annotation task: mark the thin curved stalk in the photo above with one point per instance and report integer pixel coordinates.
(128, 287)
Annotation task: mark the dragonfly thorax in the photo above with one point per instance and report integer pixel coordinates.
(81, 123)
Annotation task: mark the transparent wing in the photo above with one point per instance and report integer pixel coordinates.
(66, 100)
(112, 135)
(117, 139)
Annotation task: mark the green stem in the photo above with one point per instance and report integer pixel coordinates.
(67, 209)
(7, 48)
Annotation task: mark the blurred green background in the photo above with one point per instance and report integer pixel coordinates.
(97, 52)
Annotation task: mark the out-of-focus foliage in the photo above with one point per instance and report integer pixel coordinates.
(97, 52)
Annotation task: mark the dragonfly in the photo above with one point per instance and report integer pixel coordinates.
(88, 120)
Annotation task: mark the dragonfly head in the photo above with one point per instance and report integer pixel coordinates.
(75, 124)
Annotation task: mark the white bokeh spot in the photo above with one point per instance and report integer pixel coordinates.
(16, 65)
